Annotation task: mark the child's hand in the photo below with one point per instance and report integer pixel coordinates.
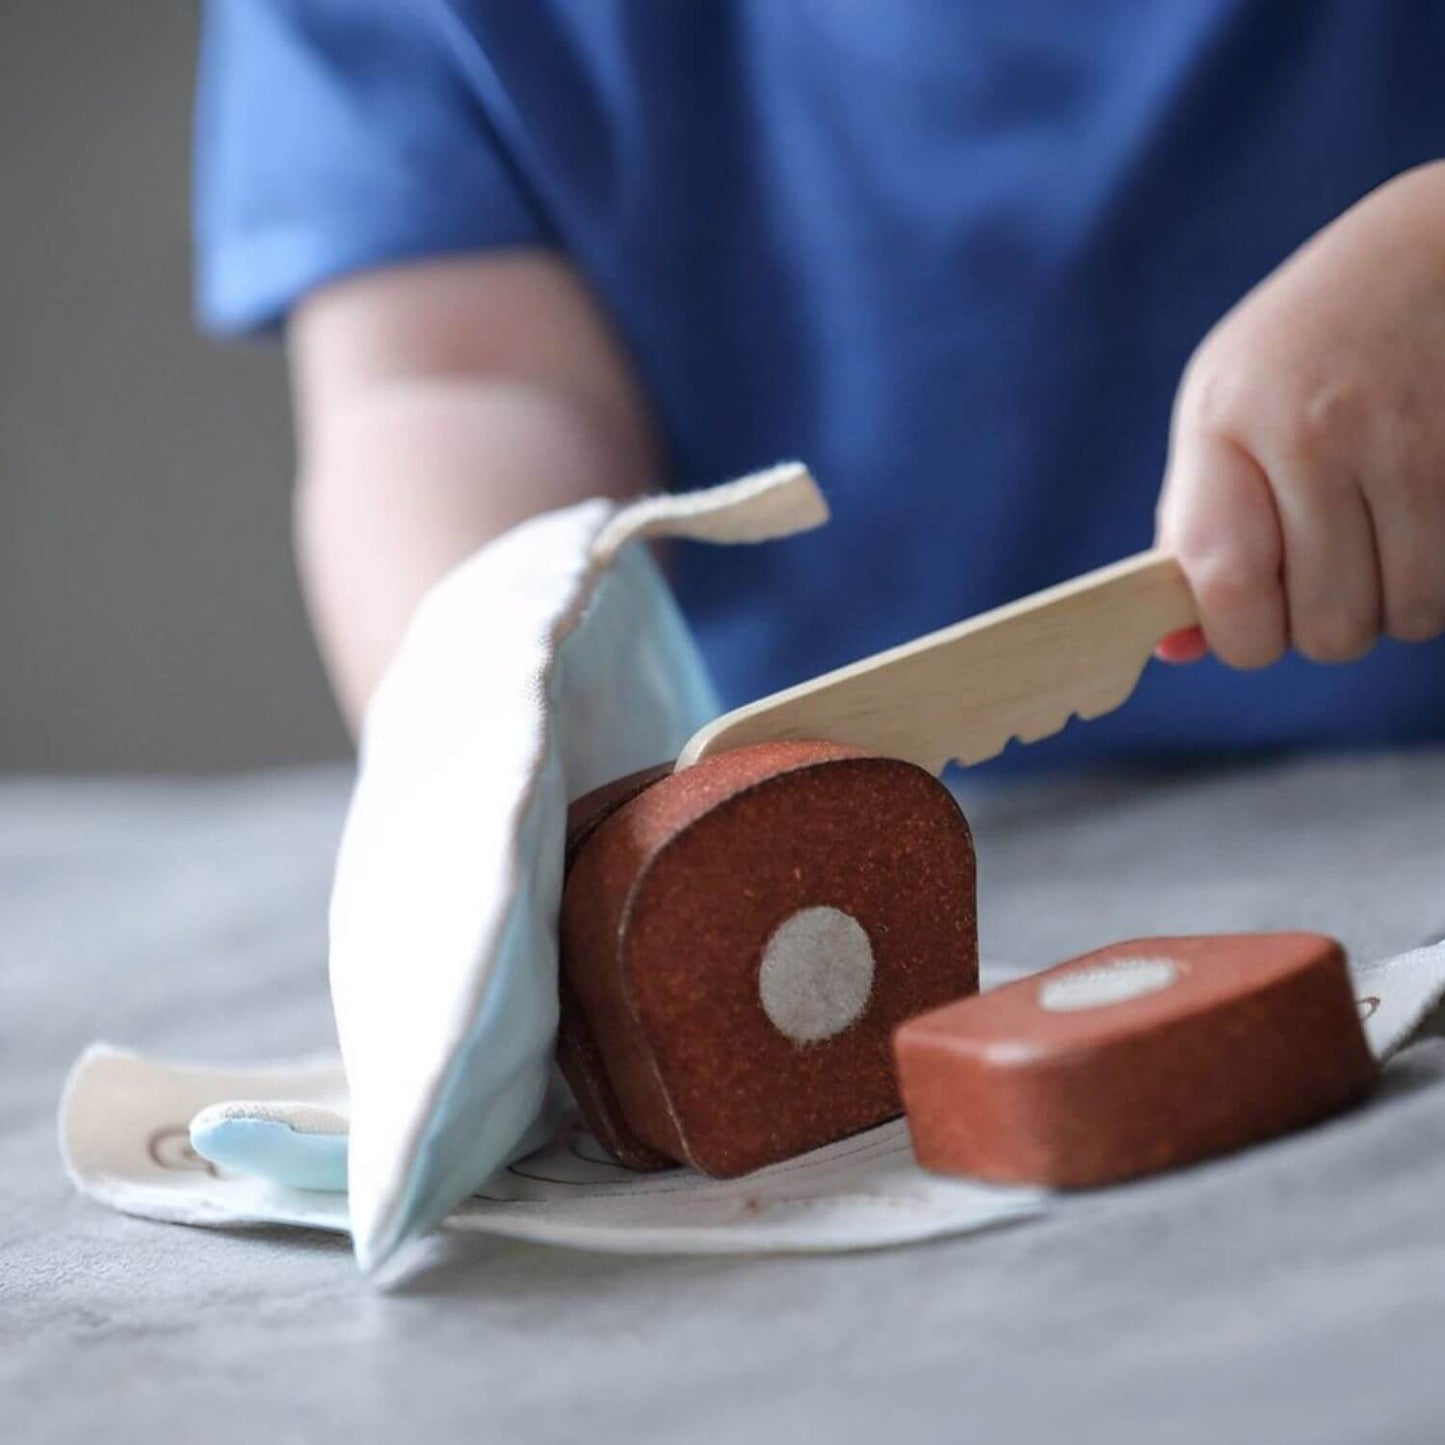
(1305, 494)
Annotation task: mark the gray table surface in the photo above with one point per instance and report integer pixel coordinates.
(1295, 1292)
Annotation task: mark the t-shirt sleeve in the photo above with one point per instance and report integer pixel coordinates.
(334, 135)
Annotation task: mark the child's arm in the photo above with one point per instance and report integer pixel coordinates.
(438, 404)
(1305, 492)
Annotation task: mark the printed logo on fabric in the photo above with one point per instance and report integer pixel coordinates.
(169, 1147)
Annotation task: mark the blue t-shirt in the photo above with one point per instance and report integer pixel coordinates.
(951, 253)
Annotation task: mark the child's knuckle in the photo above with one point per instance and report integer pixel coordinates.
(1325, 424)
(1211, 396)
(1240, 577)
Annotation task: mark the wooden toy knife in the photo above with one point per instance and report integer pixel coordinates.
(962, 693)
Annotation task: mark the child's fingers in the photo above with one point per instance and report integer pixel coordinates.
(1332, 576)
(1217, 516)
(1409, 529)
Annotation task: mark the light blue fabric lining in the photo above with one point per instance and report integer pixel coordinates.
(274, 1150)
(627, 689)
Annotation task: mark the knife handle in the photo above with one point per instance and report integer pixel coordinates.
(1019, 671)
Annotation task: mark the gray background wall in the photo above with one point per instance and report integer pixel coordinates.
(148, 614)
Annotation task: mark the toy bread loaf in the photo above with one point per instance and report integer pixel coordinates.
(739, 941)
(1136, 1058)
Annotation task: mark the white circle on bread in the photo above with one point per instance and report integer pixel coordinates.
(816, 974)
(1115, 981)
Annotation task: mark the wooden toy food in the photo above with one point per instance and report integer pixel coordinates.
(1136, 1058)
(739, 941)
(741, 934)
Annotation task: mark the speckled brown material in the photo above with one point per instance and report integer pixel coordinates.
(577, 1054)
(670, 906)
(591, 810)
(1136, 1058)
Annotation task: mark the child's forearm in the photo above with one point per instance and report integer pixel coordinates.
(468, 418)
(417, 480)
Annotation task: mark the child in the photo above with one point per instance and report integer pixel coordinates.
(954, 254)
